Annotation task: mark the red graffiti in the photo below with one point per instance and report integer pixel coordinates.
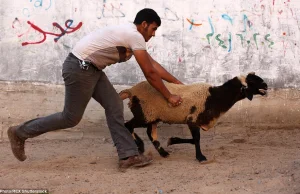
(68, 25)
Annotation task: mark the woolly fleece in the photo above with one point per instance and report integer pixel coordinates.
(156, 107)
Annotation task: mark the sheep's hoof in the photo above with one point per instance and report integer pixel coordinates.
(141, 150)
(164, 154)
(140, 145)
(201, 158)
(205, 161)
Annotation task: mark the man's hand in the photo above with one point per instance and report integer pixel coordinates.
(175, 100)
(151, 74)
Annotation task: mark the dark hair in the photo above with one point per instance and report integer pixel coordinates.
(148, 15)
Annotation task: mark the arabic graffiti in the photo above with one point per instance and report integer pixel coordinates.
(267, 39)
(221, 42)
(247, 24)
(212, 31)
(69, 29)
(227, 17)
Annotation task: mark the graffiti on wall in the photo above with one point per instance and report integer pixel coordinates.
(252, 28)
(63, 31)
(232, 36)
(18, 25)
(242, 34)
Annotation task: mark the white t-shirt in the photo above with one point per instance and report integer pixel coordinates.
(109, 45)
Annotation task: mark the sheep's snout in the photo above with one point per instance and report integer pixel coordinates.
(263, 92)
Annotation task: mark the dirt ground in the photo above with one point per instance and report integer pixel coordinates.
(246, 160)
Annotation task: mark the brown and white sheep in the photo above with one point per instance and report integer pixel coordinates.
(202, 105)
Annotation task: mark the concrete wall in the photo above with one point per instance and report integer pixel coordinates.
(199, 40)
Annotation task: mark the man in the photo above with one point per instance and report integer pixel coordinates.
(84, 79)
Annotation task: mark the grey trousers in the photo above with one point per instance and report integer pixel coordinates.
(80, 87)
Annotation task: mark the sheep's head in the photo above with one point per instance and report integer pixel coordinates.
(254, 85)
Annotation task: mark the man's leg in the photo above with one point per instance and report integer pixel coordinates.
(128, 153)
(107, 96)
(79, 87)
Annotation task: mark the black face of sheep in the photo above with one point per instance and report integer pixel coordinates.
(255, 85)
(201, 111)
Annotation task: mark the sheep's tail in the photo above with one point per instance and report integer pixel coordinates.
(125, 94)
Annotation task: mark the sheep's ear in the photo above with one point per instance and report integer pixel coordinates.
(253, 73)
(243, 81)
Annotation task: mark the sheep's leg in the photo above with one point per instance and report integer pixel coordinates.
(177, 140)
(152, 134)
(195, 131)
(130, 125)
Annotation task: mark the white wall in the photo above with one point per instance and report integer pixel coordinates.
(257, 35)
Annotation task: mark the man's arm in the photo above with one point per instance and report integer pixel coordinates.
(164, 74)
(153, 77)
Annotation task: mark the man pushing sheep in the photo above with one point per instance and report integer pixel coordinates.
(84, 79)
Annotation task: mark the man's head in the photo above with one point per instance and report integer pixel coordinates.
(147, 22)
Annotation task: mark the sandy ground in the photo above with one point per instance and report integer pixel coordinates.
(247, 160)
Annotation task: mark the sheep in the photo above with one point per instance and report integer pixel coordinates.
(202, 106)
